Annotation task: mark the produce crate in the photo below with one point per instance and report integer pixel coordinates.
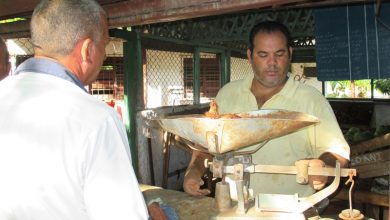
(371, 158)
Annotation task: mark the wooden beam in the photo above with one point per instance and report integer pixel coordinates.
(373, 170)
(15, 30)
(15, 8)
(122, 13)
(364, 197)
(138, 12)
(370, 145)
(309, 4)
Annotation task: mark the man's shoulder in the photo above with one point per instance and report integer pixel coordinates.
(77, 103)
(233, 86)
(305, 90)
(234, 83)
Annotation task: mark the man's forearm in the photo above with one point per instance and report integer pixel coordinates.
(330, 159)
(193, 177)
(196, 166)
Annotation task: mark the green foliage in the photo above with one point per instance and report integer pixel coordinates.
(353, 130)
(349, 89)
(109, 67)
(356, 135)
(382, 130)
(11, 20)
(331, 95)
(383, 85)
(363, 86)
(362, 136)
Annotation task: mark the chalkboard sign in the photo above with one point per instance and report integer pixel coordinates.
(351, 43)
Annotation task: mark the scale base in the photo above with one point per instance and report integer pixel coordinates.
(252, 214)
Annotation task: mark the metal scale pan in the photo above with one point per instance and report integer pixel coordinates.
(230, 134)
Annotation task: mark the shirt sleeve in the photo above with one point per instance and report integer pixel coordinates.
(326, 136)
(111, 190)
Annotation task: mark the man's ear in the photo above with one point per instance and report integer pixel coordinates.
(86, 50)
(291, 51)
(249, 55)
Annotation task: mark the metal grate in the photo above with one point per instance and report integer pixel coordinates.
(239, 68)
(164, 82)
(168, 78)
(19, 49)
(209, 76)
(109, 84)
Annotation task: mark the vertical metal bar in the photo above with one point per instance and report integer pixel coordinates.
(196, 83)
(133, 74)
(167, 154)
(151, 164)
(132, 63)
(225, 68)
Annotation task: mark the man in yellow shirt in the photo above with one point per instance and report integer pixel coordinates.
(270, 87)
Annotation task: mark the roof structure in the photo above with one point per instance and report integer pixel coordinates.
(222, 23)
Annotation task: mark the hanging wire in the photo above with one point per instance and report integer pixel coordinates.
(350, 180)
(350, 213)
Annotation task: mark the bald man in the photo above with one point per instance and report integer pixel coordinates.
(64, 154)
(5, 65)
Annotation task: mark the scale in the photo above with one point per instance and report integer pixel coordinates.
(223, 137)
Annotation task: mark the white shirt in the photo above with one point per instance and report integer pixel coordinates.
(63, 154)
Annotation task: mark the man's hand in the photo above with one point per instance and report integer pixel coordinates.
(194, 172)
(192, 186)
(317, 182)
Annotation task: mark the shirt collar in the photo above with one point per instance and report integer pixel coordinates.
(50, 67)
(287, 90)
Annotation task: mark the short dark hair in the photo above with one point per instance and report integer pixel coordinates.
(269, 27)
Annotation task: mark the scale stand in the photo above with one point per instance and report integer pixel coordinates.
(220, 136)
(269, 206)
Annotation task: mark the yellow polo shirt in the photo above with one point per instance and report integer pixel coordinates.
(309, 142)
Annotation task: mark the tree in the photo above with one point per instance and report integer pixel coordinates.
(383, 85)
